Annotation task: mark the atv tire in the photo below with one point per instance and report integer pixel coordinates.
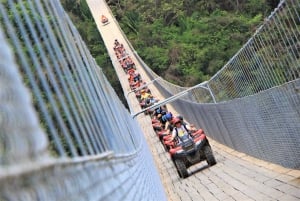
(181, 168)
(210, 159)
(165, 146)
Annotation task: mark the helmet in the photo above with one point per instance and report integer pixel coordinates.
(158, 110)
(176, 120)
(167, 117)
(180, 117)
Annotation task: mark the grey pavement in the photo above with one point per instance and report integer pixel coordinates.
(236, 176)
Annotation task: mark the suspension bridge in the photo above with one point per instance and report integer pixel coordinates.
(65, 135)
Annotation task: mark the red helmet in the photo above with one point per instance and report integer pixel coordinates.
(176, 120)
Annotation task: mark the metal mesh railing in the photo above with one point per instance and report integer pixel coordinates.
(74, 139)
(256, 94)
(270, 58)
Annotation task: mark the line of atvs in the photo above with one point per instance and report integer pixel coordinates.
(137, 85)
(187, 147)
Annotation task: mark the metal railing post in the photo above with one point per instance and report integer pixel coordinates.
(172, 98)
(208, 88)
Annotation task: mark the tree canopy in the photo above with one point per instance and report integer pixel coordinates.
(183, 41)
(189, 39)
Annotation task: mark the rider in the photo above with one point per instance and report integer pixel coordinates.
(116, 43)
(159, 112)
(104, 19)
(145, 95)
(192, 127)
(167, 118)
(180, 130)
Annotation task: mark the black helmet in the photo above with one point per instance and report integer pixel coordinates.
(180, 117)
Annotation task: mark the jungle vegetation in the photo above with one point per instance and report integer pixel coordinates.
(183, 41)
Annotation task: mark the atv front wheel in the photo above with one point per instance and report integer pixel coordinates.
(165, 146)
(181, 168)
(210, 159)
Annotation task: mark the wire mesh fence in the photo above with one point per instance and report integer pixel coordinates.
(65, 135)
(70, 138)
(252, 103)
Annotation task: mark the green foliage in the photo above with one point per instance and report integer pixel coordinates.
(189, 40)
(84, 22)
(186, 42)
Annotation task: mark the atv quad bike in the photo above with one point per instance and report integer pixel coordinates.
(147, 103)
(192, 150)
(104, 20)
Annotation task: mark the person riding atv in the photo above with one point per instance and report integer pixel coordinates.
(104, 20)
(144, 95)
(180, 130)
(189, 148)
